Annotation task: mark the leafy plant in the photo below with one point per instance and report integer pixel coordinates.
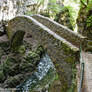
(89, 21)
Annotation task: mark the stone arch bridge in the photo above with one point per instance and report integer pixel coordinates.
(62, 44)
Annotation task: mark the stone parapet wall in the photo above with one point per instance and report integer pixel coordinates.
(74, 38)
(62, 53)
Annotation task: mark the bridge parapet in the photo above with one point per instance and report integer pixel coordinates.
(74, 38)
(62, 52)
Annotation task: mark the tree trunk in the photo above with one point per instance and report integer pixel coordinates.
(84, 22)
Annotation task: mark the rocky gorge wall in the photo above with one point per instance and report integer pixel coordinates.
(10, 8)
(62, 52)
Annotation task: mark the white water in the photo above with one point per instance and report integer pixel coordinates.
(42, 69)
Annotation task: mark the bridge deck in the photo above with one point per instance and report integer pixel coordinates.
(87, 58)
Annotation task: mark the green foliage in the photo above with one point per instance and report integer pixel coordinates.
(89, 6)
(32, 57)
(73, 15)
(21, 49)
(73, 87)
(29, 13)
(40, 50)
(2, 77)
(7, 66)
(89, 21)
(53, 8)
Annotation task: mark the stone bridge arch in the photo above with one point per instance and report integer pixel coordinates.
(62, 51)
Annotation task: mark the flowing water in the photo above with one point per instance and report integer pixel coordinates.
(42, 78)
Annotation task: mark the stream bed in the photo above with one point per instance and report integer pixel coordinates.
(41, 79)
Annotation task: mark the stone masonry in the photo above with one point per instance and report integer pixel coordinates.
(62, 51)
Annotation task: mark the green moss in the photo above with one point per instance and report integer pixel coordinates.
(32, 57)
(21, 49)
(13, 81)
(8, 66)
(0, 57)
(2, 76)
(89, 21)
(90, 43)
(73, 87)
(26, 67)
(70, 59)
(66, 49)
(65, 17)
(88, 49)
(4, 44)
(40, 50)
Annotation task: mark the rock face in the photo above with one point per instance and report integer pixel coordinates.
(11, 8)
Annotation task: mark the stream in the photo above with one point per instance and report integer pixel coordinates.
(41, 79)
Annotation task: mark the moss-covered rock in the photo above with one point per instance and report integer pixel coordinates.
(32, 57)
(8, 66)
(26, 67)
(2, 76)
(40, 50)
(22, 63)
(21, 49)
(11, 82)
(4, 44)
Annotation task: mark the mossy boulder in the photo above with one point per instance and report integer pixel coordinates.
(26, 66)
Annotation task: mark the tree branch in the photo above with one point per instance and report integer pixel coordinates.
(83, 3)
(87, 1)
